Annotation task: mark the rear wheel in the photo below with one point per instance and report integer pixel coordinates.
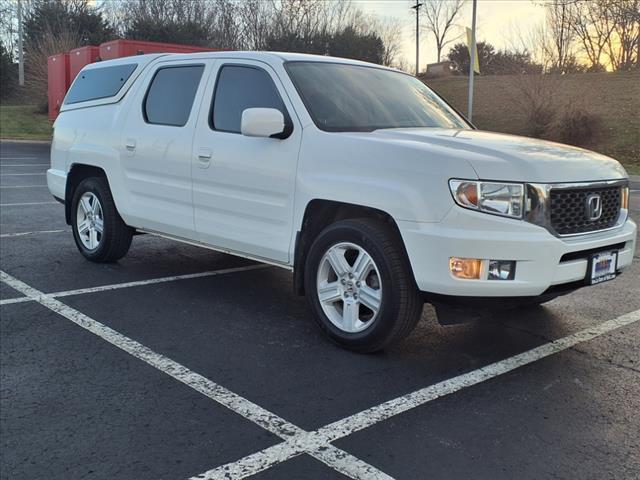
(99, 232)
(360, 285)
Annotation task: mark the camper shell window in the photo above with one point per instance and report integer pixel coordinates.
(96, 83)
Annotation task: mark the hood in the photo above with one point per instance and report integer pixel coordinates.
(497, 156)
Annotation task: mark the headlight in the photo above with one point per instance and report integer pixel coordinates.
(505, 199)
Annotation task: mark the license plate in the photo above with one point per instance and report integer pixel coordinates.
(602, 267)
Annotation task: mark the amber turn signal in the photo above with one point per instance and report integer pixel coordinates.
(625, 198)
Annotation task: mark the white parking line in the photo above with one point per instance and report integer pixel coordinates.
(22, 186)
(22, 234)
(26, 204)
(138, 283)
(381, 412)
(20, 174)
(18, 158)
(3, 165)
(247, 409)
(334, 457)
(11, 301)
(279, 453)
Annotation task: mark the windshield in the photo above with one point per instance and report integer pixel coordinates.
(347, 98)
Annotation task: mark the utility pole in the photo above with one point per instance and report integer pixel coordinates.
(472, 58)
(20, 52)
(416, 7)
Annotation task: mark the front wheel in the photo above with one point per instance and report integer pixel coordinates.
(99, 232)
(360, 286)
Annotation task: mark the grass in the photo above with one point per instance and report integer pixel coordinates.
(613, 97)
(21, 122)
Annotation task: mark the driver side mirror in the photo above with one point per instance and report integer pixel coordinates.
(262, 122)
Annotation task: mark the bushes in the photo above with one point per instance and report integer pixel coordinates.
(551, 116)
(575, 126)
(534, 96)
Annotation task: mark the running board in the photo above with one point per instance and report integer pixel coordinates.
(195, 243)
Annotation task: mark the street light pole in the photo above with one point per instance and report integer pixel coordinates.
(472, 58)
(20, 52)
(416, 7)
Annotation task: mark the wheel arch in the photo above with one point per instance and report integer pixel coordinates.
(320, 213)
(77, 173)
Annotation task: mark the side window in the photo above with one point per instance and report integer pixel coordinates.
(239, 88)
(96, 83)
(170, 96)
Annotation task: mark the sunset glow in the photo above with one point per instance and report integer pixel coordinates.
(500, 22)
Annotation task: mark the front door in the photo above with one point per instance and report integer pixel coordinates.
(243, 186)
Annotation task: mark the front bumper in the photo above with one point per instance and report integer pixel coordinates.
(57, 183)
(538, 253)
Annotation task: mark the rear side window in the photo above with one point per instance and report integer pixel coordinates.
(170, 95)
(97, 83)
(239, 88)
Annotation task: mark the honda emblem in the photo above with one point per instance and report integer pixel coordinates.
(594, 207)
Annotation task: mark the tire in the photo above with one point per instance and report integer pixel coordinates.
(113, 242)
(347, 312)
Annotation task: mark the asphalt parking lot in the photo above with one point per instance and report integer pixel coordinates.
(179, 362)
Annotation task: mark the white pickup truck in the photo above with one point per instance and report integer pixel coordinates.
(372, 189)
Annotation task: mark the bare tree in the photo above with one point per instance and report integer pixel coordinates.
(529, 40)
(592, 22)
(36, 65)
(128, 11)
(439, 17)
(8, 25)
(256, 21)
(559, 34)
(403, 65)
(226, 29)
(306, 19)
(388, 29)
(9, 22)
(623, 46)
(213, 23)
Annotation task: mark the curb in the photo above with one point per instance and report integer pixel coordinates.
(38, 142)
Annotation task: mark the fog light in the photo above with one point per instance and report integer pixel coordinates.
(467, 268)
(502, 269)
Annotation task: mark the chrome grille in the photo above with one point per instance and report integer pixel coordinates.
(569, 213)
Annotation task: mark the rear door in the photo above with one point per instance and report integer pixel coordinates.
(156, 146)
(243, 187)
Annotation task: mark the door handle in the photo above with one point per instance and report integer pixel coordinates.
(130, 144)
(204, 157)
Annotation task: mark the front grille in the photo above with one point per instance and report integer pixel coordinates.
(568, 209)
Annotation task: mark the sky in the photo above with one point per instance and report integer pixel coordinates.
(498, 22)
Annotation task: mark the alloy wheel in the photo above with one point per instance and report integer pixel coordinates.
(90, 221)
(349, 287)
